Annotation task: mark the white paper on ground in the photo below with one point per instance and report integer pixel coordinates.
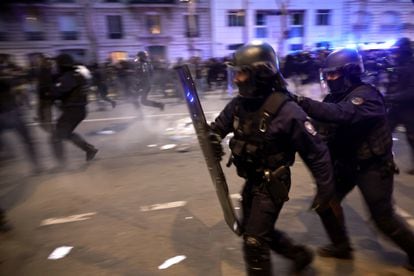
(172, 261)
(60, 252)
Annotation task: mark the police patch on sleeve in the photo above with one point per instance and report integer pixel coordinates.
(357, 100)
(309, 128)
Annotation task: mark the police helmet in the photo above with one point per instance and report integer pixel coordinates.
(403, 46)
(348, 63)
(346, 60)
(256, 56)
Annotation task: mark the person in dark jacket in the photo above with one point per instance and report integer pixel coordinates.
(71, 89)
(268, 130)
(354, 121)
(144, 72)
(400, 93)
(11, 117)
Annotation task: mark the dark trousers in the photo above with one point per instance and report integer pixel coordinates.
(144, 89)
(405, 117)
(13, 120)
(70, 118)
(44, 113)
(260, 213)
(376, 185)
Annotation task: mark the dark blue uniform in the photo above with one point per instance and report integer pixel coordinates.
(360, 143)
(269, 147)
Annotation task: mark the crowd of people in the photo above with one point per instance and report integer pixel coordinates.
(345, 140)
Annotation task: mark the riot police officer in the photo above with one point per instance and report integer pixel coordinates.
(71, 89)
(144, 73)
(400, 92)
(353, 120)
(268, 130)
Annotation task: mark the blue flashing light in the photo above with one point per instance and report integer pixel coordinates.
(189, 97)
(351, 46)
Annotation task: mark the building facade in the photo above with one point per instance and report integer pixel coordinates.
(291, 25)
(101, 30)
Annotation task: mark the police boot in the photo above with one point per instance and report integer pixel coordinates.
(257, 257)
(90, 150)
(301, 256)
(340, 247)
(410, 264)
(90, 153)
(400, 233)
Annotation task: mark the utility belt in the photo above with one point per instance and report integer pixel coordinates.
(271, 171)
(384, 163)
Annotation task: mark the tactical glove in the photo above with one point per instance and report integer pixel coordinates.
(215, 140)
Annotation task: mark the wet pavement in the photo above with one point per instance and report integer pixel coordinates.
(146, 205)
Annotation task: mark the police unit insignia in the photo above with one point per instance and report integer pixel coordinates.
(309, 128)
(357, 100)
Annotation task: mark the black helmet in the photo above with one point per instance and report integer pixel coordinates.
(256, 55)
(348, 63)
(346, 60)
(403, 47)
(64, 62)
(261, 61)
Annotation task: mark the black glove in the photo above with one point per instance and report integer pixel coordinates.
(215, 140)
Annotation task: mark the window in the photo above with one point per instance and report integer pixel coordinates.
(33, 28)
(68, 27)
(361, 21)
(296, 47)
(118, 56)
(4, 36)
(192, 28)
(153, 22)
(114, 26)
(323, 44)
(261, 27)
(234, 46)
(322, 17)
(391, 21)
(296, 28)
(235, 18)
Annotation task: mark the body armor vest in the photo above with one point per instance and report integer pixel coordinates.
(253, 148)
(371, 140)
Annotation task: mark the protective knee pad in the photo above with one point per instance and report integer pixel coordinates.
(256, 253)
